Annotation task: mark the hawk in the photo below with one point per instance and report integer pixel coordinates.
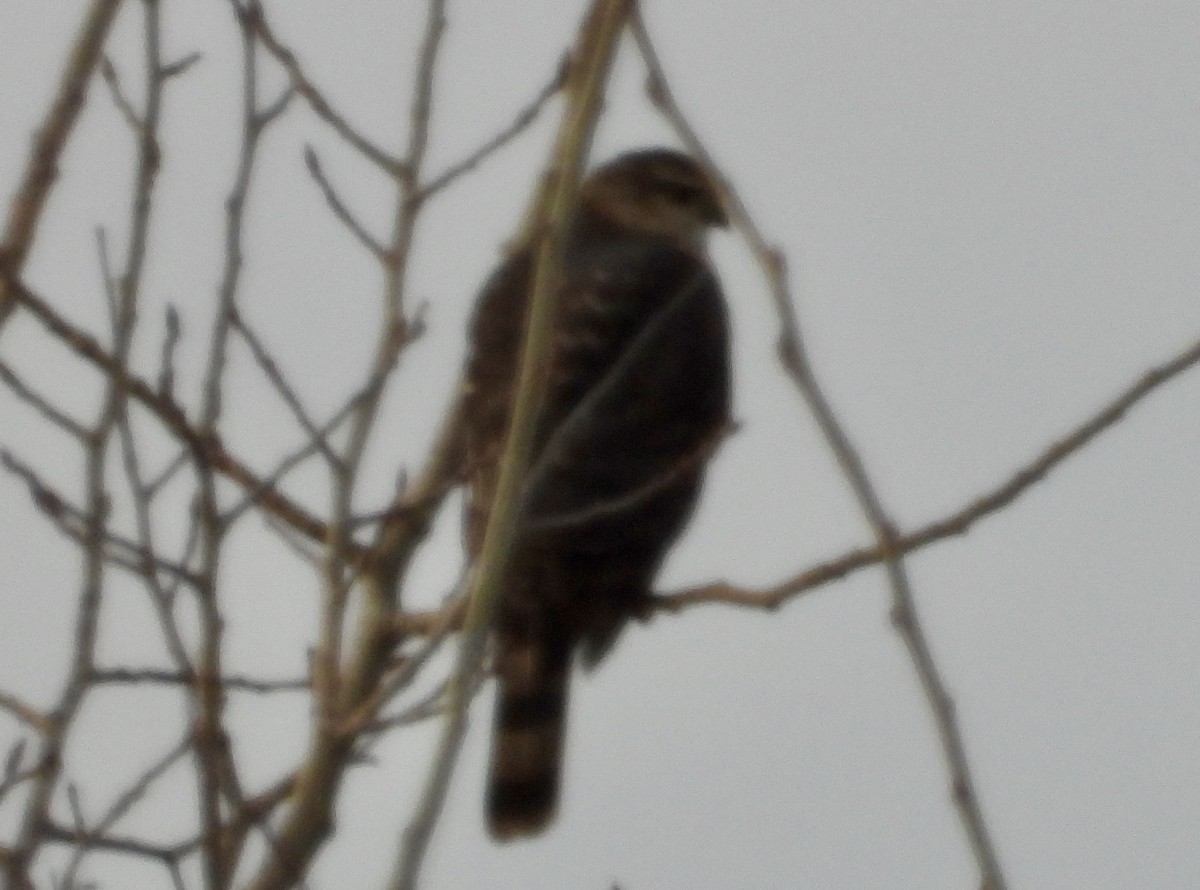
(637, 400)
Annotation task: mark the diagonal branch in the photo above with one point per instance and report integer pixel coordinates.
(287, 392)
(72, 522)
(339, 208)
(112, 80)
(48, 145)
(316, 100)
(524, 118)
(125, 801)
(40, 403)
(958, 523)
(26, 713)
(795, 362)
(163, 406)
(590, 67)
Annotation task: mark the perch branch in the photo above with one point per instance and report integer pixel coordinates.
(590, 66)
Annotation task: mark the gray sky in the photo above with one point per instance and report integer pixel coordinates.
(991, 214)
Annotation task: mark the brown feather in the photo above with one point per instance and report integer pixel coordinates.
(527, 740)
(638, 394)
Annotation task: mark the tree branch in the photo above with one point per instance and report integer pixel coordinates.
(48, 145)
(316, 100)
(957, 523)
(795, 362)
(590, 66)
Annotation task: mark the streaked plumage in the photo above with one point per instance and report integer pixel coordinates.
(637, 399)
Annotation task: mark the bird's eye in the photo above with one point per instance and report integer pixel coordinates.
(680, 194)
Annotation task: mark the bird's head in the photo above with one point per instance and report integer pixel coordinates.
(658, 192)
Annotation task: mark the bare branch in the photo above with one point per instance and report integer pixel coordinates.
(49, 143)
(286, 391)
(255, 812)
(161, 598)
(14, 776)
(370, 664)
(216, 771)
(207, 445)
(273, 110)
(171, 335)
(120, 806)
(525, 117)
(95, 516)
(27, 714)
(315, 99)
(336, 691)
(148, 562)
(41, 404)
(424, 624)
(106, 277)
(165, 475)
(72, 522)
(129, 846)
(266, 487)
(339, 208)
(175, 69)
(433, 705)
(591, 63)
(958, 523)
(448, 620)
(152, 676)
(109, 73)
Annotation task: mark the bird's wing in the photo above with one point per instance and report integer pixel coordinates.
(639, 389)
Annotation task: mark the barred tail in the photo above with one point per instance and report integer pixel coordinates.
(527, 738)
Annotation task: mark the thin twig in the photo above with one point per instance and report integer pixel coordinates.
(14, 776)
(120, 806)
(365, 238)
(172, 330)
(365, 719)
(255, 813)
(109, 73)
(129, 846)
(315, 99)
(27, 714)
(153, 676)
(72, 522)
(40, 404)
(524, 118)
(287, 392)
(267, 485)
(155, 486)
(208, 444)
(161, 599)
(175, 69)
(107, 279)
(432, 705)
(272, 110)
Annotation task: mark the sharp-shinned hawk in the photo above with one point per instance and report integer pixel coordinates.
(637, 398)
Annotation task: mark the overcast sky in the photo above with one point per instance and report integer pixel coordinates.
(991, 212)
